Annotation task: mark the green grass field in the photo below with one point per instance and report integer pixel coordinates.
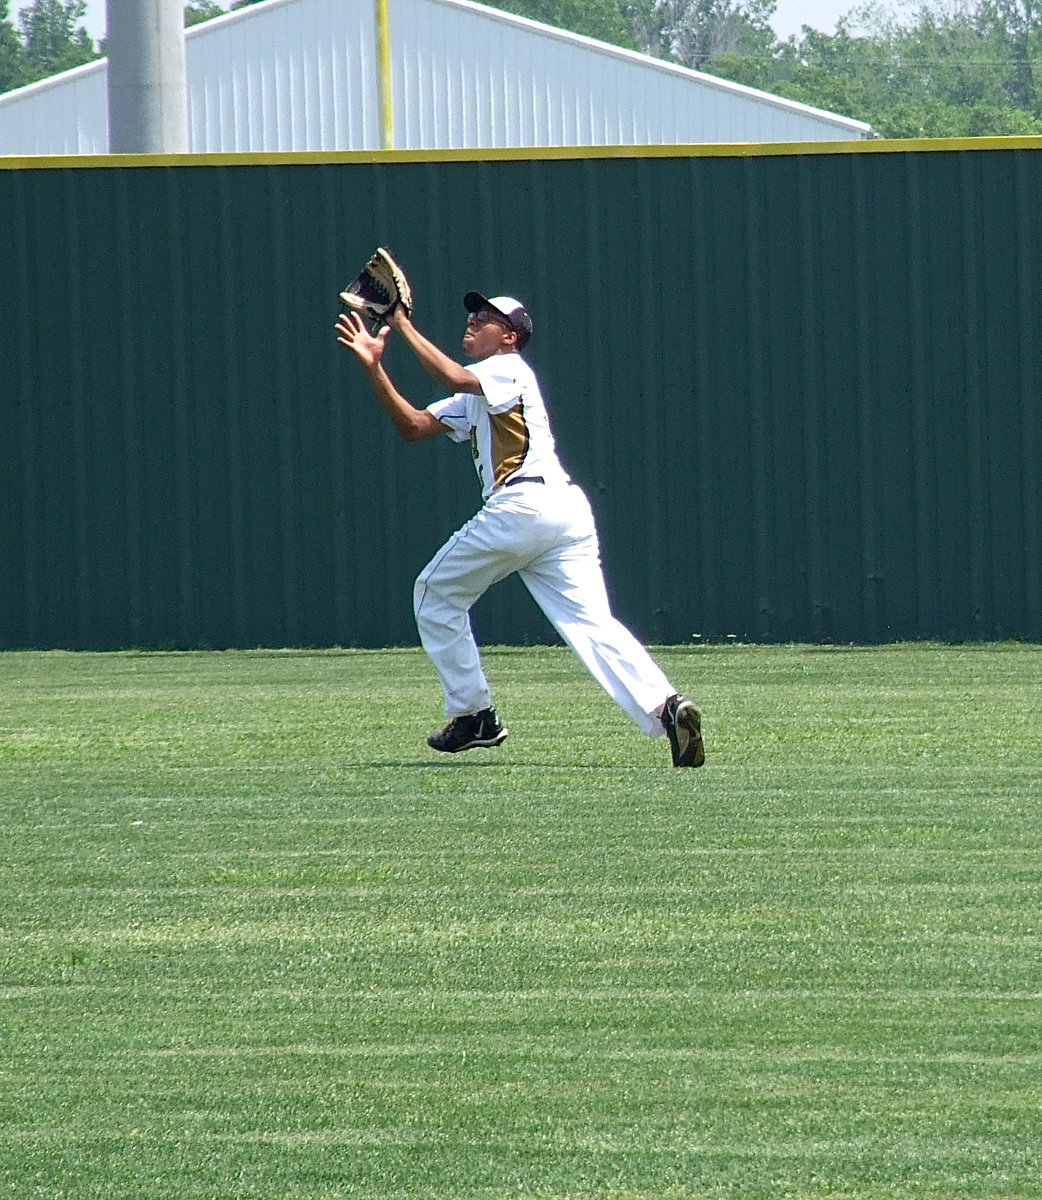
(258, 942)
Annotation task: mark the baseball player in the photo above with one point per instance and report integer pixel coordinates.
(534, 520)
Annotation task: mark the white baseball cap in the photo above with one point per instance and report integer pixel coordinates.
(512, 311)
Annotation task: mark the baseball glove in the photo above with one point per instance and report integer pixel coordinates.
(379, 287)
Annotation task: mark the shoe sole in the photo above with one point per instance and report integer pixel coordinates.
(689, 750)
(477, 743)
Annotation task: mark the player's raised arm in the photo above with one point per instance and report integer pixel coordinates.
(413, 424)
(452, 375)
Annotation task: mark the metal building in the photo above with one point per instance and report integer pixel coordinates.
(302, 75)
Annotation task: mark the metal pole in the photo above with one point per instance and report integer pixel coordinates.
(383, 56)
(147, 77)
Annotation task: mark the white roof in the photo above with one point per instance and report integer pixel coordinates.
(301, 75)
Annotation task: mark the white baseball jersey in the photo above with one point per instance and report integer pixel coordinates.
(508, 427)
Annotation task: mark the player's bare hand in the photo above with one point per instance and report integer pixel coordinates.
(352, 333)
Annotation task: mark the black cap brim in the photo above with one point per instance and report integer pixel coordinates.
(473, 301)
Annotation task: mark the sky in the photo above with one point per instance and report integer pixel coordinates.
(789, 15)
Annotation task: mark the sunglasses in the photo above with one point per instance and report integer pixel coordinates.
(484, 315)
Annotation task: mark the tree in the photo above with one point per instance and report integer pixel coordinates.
(695, 32)
(202, 10)
(12, 53)
(52, 39)
(600, 19)
(966, 70)
(1018, 25)
(197, 11)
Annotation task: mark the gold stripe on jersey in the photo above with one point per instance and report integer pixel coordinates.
(509, 442)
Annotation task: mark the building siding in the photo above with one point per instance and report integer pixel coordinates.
(301, 76)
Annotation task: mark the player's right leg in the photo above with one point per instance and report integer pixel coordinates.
(478, 555)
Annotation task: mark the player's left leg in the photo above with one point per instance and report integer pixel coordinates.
(570, 595)
(568, 585)
(567, 582)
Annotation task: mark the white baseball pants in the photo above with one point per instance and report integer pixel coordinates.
(546, 533)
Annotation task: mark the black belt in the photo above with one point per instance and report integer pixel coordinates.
(524, 479)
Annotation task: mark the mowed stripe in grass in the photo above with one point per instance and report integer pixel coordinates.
(258, 941)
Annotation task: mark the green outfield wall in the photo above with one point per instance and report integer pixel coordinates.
(802, 385)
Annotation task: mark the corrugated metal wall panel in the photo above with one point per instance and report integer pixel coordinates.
(801, 390)
(301, 75)
(525, 85)
(67, 114)
(299, 79)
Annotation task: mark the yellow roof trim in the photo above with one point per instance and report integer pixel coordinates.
(534, 153)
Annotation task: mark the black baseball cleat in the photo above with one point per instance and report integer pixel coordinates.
(464, 733)
(683, 725)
